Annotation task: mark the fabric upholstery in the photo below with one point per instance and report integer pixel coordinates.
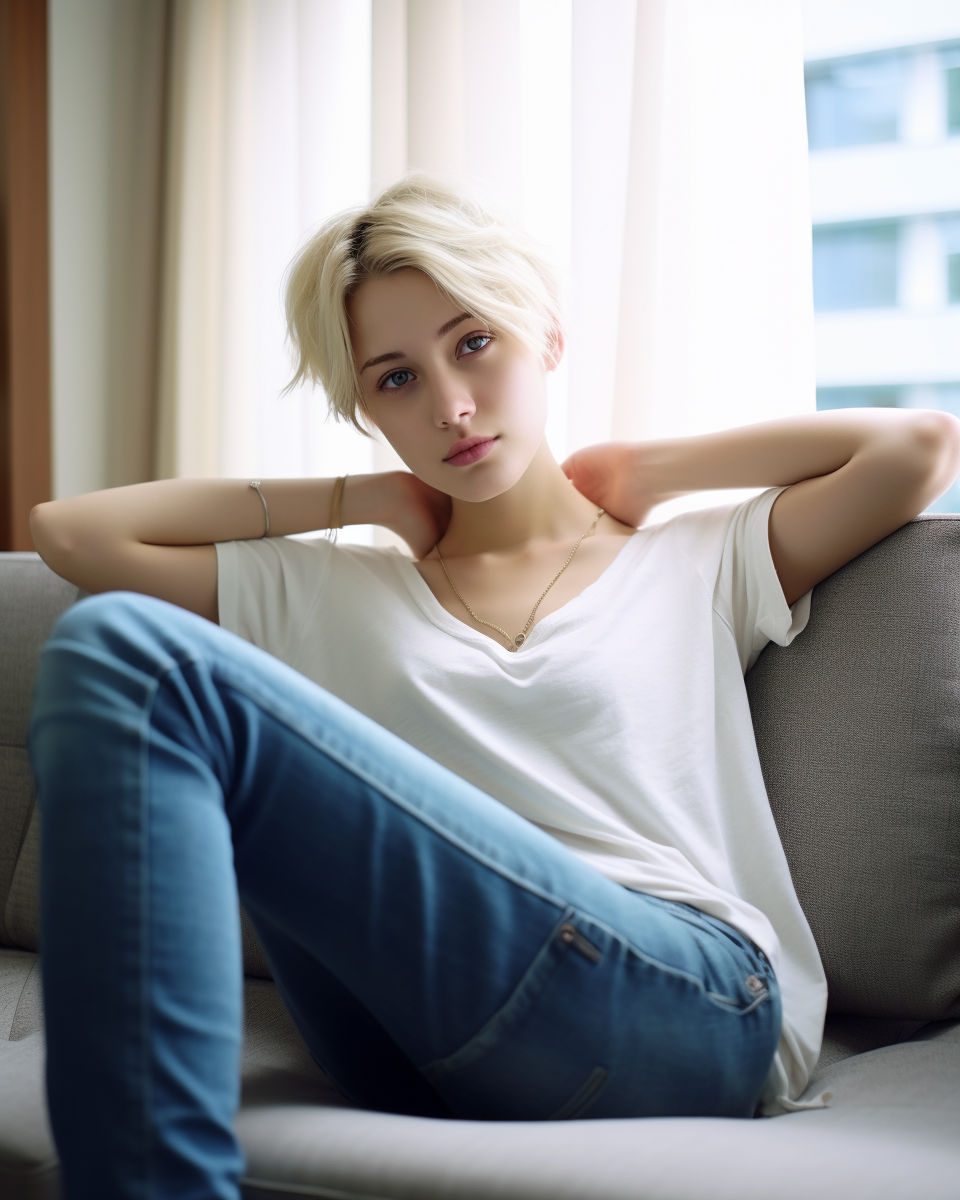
(944, 1032)
(22, 912)
(845, 1036)
(858, 726)
(254, 959)
(16, 806)
(16, 969)
(31, 599)
(28, 1159)
(891, 1134)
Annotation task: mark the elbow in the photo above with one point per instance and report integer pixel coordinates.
(50, 535)
(929, 451)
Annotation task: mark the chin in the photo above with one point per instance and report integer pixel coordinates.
(474, 487)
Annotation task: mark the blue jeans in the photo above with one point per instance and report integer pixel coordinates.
(439, 954)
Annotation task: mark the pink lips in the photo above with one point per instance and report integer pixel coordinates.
(470, 450)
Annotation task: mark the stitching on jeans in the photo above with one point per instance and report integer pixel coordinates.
(146, 999)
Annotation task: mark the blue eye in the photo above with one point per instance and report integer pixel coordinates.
(477, 337)
(390, 382)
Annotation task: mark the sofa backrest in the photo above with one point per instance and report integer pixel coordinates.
(31, 599)
(858, 727)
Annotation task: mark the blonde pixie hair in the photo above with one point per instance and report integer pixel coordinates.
(478, 259)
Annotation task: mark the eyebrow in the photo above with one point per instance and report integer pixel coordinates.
(393, 354)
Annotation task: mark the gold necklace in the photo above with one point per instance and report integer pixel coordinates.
(514, 643)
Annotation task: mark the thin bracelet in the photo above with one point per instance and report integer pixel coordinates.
(335, 520)
(255, 484)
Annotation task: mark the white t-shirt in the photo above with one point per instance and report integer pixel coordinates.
(621, 727)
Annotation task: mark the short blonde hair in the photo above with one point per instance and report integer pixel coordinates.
(475, 256)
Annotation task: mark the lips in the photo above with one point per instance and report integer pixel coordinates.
(469, 450)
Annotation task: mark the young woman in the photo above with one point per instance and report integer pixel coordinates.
(497, 813)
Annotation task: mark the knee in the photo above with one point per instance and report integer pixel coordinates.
(112, 622)
(103, 657)
(113, 635)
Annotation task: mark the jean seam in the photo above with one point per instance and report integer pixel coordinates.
(378, 785)
(146, 991)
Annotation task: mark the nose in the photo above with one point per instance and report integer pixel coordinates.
(451, 404)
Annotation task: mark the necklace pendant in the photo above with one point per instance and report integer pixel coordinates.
(513, 649)
(519, 639)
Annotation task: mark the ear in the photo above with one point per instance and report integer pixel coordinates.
(555, 348)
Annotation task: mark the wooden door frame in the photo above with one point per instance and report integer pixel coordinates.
(25, 454)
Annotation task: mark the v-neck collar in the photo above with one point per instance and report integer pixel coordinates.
(434, 611)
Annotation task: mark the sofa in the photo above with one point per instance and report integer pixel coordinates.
(858, 726)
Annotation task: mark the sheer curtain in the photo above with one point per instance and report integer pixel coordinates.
(657, 148)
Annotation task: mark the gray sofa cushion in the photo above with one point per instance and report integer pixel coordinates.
(891, 1134)
(31, 599)
(28, 1160)
(858, 726)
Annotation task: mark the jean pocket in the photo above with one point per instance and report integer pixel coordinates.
(735, 974)
(536, 1058)
(748, 994)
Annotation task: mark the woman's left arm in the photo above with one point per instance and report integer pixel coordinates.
(852, 477)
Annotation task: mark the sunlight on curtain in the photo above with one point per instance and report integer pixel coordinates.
(270, 134)
(716, 302)
(656, 148)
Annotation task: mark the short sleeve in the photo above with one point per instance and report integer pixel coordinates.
(748, 593)
(267, 590)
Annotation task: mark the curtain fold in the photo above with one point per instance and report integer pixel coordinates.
(716, 308)
(135, 247)
(657, 149)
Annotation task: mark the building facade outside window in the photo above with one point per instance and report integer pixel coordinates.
(855, 265)
(951, 68)
(950, 232)
(883, 117)
(854, 101)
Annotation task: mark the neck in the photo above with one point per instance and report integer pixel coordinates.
(542, 505)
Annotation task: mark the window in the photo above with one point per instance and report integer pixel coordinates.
(951, 74)
(860, 397)
(950, 232)
(855, 265)
(854, 101)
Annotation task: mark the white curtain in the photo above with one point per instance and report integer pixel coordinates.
(657, 148)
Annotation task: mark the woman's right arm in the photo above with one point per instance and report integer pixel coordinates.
(158, 538)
